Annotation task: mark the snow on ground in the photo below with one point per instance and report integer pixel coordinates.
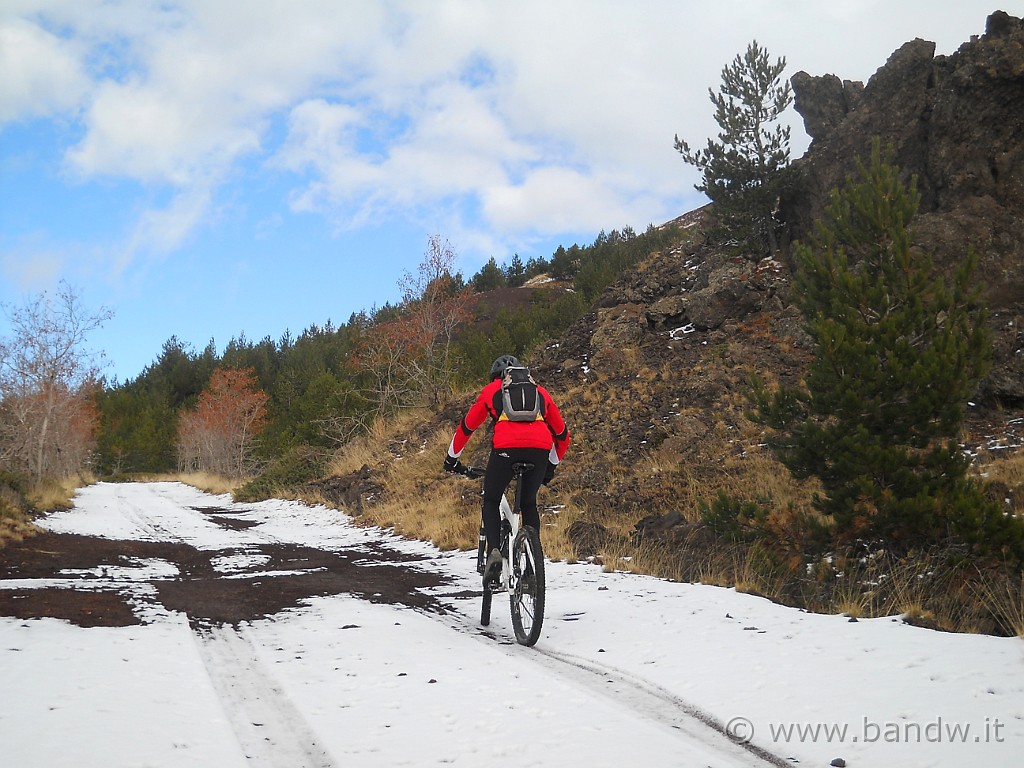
(629, 670)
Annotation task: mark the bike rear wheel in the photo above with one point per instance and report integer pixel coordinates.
(527, 598)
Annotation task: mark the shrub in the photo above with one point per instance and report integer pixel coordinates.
(733, 519)
(295, 468)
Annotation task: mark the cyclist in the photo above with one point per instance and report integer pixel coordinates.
(542, 442)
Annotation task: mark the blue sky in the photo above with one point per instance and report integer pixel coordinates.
(211, 168)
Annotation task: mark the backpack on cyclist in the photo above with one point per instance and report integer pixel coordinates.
(520, 399)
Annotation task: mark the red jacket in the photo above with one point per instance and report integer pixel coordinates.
(549, 433)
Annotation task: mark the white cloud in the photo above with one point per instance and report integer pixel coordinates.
(552, 200)
(492, 95)
(320, 135)
(136, 132)
(41, 72)
(163, 230)
(543, 115)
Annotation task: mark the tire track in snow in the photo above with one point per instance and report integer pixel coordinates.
(144, 520)
(652, 702)
(640, 695)
(269, 727)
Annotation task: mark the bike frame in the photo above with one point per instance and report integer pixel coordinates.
(511, 514)
(514, 518)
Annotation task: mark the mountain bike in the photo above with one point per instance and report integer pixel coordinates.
(522, 574)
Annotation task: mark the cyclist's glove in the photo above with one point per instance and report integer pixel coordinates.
(452, 464)
(549, 475)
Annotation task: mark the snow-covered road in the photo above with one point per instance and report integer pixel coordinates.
(628, 670)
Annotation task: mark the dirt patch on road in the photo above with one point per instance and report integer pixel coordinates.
(92, 582)
(86, 609)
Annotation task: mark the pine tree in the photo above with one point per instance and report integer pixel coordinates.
(489, 278)
(515, 274)
(897, 354)
(743, 172)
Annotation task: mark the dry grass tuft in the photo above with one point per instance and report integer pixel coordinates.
(555, 523)
(16, 512)
(208, 482)
(15, 523)
(420, 501)
(1003, 597)
(58, 494)
(203, 481)
(1007, 471)
(382, 442)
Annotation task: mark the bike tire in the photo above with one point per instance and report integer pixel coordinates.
(527, 598)
(485, 606)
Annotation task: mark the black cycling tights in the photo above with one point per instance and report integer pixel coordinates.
(499, 474)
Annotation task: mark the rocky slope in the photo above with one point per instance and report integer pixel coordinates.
(653, 379)
(957, 123)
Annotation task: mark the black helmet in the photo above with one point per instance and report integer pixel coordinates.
(500, 364)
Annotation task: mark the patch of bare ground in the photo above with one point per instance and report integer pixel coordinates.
(77, 585)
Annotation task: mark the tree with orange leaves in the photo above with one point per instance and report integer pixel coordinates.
(218, 436)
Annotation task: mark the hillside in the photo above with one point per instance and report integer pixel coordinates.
(671, 346)
(652, 381)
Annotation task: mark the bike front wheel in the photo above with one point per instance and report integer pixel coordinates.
(485, 606)
(527, 597)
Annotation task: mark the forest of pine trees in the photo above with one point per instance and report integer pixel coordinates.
(318, 389)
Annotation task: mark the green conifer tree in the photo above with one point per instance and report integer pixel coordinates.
(743, 172)
(489, 278)
(515, 274)
(897, 354)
